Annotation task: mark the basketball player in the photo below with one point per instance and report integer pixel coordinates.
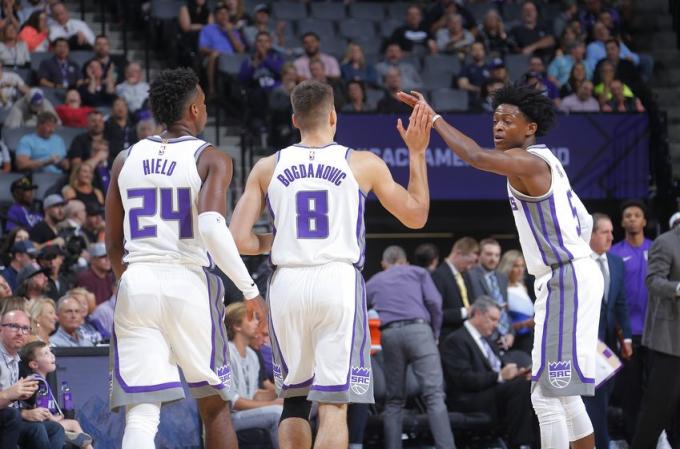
(315, 192)
(164, 213)
(554, 230)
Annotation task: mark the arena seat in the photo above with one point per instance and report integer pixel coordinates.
(388, 26)
(165, 9)
(434, 80)
(289, 10)
(231, 64)
(325, 29)
(68, 134)
(360, 30)
(328, 11)
(517, 65)
(449, 100)
(6, 181)
(11, 136)
(442, 63)
(81, 57)
(397, 10)
(367, 10)
(38, 57)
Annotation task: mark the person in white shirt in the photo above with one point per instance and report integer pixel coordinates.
(12, 87)
(582, 100)
(78, 33)
(134, 90)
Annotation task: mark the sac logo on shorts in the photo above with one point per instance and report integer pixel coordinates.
(360, 380)
(278, 376)
(559, 373)
(224, 373)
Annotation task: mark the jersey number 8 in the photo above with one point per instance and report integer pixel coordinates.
(312, 214)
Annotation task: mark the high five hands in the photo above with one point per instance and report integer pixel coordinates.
(417, 135)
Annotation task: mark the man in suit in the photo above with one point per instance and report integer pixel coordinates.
(486, 280)
(454, 285)
(662, 337)
(613, 314)
(476, 382)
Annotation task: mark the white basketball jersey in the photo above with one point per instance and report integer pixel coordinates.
(317, 207)
(554, 228)
(159, 186)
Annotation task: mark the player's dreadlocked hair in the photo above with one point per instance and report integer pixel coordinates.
(531, 102)
(169, 93)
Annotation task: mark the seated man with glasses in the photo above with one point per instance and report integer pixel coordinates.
(36, 431)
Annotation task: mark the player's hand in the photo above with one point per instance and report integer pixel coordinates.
(23, 389)
(257, 307)
(417, 135)
(413, 98)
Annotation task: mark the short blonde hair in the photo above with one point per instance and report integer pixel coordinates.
(508, 260)
(234, 316)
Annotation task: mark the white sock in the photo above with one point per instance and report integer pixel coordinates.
(141, 425)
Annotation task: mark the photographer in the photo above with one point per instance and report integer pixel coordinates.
(74, 240)
(45, 232)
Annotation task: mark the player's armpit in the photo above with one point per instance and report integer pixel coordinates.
(115, 215)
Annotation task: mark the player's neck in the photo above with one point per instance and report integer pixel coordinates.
(178, 130)
(636, 239)
(241, 343)
(317, 138)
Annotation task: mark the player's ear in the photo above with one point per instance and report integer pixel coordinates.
(532, 127)
(295, 122)
(333, 119)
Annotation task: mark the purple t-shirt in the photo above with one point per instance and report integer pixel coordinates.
(635, 261)
(19, 215)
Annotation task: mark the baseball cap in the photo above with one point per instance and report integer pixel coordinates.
(261, 7)
(24, 246)
(37, 97)
(94, 209)
(53, 200)
(29, 271)
(674, 219)
(97, 250)
(496, 63)
(50, 251)
(23, 183)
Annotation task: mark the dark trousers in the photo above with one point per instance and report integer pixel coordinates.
(10, 424)
(630, 383)
(509, 404)
(660, 402)
(41, 435)
(596, 406)
(414, 345)
(357, 415)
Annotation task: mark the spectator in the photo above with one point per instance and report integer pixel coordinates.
(87, 306)
(262, 22)
(93, 227)
(355, 68)
(634, 250)
(477, 382)
(102, 317)
(35, 428)
(192, 17)
(12, 303)
(69, 334)
(624, 70)
(218, 38)
(5, 158)
(81, 147)
(435, 16)
(81, 186)
(413, 36)
(12, 87)
(98, 278)
(410, 309)
(37, 359)
(22, 212)
(253, 406)
(532, 37)
(390, 104)
(498, 71)
(581, 101)
(28, 7)
(51, 258)
(620, 102)
(312, 47)
(590, 15)
(475, 73)
(46, 232)
(318, 72)
(426, 255)
(59, 71)
(454, 38)
(34, 32)
(282, 133)
(32, 281)
(134, 90)
(24, 113)
(42, 151)
(109, 62)
(13, 52)
(146, 128)
(660, 336)
(485, 279)
(577, 76)
(9, 13)
(43, 313)
(603, 89)
(568, 13)
(74, 215)
(520, 306)
(539, 81)
(10, 417)
(22, 254)
(17, 234)
(560, 68)
(356, 95)
(596, 50)
(72, 113)
(493, 36)
(453, 283)
(613, 315)
(76, 32)
(5, 288)
(394, 58)
(119, 131)
(237, 13)
(98, 88)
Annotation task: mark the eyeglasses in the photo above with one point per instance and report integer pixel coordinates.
(18, 328)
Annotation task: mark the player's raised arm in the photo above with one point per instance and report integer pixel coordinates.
(215, 168)
(115, 214)
(410, 206)
(507, 161)
(249, 209)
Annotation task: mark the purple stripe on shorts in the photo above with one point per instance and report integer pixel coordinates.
(204, 383)
(306, 383)
(365, 318)
(218, 298)
(546, 235)
(527, 214)
(584, 379)
(331, 387)
(545, 333)
(361, 241)
(560, 240)
(273, 334)
(560, 341)
(212, 324)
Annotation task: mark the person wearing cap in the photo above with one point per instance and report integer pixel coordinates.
(22, 212)
(51, 258)
(262, 22)
(674, 220)
(59, 71)
(69, 334)
(24, 113)
(32, 281)
(98, 278)
(46, 231)
(498, 71)
(23, 253)
(93, 228)
(43, 151)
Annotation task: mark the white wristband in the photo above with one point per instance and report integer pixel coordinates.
(434, 119)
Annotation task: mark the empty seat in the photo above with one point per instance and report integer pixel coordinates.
(38, 57)
(68, 134)
(289, 10)
(397, 10)
(517, 65)
(479, 10)
(11, 136)
(512, 12)
(328, 11)
(45, 181)
(437, 80)
(373, 96)
(367, 10)
(231, 64)
(358, 29)
(414, 60)
(6, 181)
(23, 72)
(56, 96)
(449, 100)
(323, 28)
(336, 47)
(165, 9)
(388, 26)
(442, 63)
(370, 47)
(81, 57)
